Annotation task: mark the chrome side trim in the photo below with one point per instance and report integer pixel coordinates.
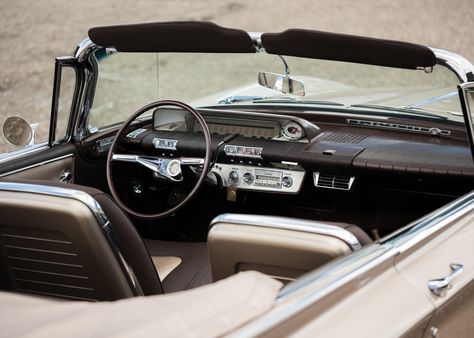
(36, 165)
(23, 152)
(97, 211)
(456, 63)
(417, 231)
(287, 223)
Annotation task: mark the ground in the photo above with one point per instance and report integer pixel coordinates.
(33, 32)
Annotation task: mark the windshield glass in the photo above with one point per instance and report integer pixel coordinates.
(128, 81)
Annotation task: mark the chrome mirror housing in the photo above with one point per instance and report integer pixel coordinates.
(18, 132)
(282, 83)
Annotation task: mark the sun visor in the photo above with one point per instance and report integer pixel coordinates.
(193, 37)
(348, 48)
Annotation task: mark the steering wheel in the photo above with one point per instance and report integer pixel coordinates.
(162, 167)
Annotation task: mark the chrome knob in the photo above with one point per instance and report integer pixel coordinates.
(248, 178)
(286, 181)
(233, 177)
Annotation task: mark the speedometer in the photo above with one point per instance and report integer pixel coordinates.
(292, 130)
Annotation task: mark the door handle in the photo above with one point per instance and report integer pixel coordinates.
(440, 286)
(66, 176)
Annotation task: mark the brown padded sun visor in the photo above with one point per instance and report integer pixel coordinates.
(192, 36)
(348, 48)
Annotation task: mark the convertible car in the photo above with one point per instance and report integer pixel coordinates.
(196, 180)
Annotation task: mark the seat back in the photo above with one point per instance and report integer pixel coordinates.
(58, 242)
(284, 248)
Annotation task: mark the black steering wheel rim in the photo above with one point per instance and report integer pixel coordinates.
(200, 180)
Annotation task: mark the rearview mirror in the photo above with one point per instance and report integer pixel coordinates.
(282, 83)
(17, 131)
(466, 95)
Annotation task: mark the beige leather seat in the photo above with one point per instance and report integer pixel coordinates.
(282, 247)
(213, 310)
(73, 241)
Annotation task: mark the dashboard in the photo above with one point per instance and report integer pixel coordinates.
(377, 171)
(264, 151)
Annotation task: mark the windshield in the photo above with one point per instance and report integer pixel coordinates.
(128, 81)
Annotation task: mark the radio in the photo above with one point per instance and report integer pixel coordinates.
(259, 179)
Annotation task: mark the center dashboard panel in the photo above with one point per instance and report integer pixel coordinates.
(247, 148)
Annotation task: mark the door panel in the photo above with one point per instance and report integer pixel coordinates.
(431, 259)
(48, 163)
(56, 169)
(19, 161)
(455, 318)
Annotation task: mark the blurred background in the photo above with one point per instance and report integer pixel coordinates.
(33, 32)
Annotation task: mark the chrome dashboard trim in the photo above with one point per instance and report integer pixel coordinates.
(317, 175)
(96, 210)
(287, 223)
(399, 127)
(37, 165)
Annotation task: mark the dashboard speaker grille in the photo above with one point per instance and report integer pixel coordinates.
(339, 137)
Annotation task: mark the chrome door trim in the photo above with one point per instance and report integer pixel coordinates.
(287, 223)
(419, 230)
(96, 210)
(36, 165)
(5, 157)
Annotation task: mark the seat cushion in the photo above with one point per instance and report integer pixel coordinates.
(193, 271)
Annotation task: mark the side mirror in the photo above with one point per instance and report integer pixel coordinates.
(282, 83)
(18, 132)
(466, 95)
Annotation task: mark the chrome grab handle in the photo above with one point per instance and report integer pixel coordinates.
(440, 286)
(66, 176)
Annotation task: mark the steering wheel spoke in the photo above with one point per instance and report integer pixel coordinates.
(162, 167)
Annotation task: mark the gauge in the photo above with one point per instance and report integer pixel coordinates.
(292, 130)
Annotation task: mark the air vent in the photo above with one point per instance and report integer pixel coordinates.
(344, 138)
(400, 127)
(332, 182)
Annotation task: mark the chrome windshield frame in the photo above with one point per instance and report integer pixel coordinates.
(460, 66)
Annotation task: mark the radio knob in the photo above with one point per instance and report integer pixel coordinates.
(234, 177)
(287, 181)
(248, 178)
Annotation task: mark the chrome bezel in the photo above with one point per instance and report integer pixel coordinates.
(289, 137)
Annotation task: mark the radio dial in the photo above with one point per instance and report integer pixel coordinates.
(286, 181)
(234, 177)
(248, 178)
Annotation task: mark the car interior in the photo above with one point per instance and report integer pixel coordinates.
(185, 197)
